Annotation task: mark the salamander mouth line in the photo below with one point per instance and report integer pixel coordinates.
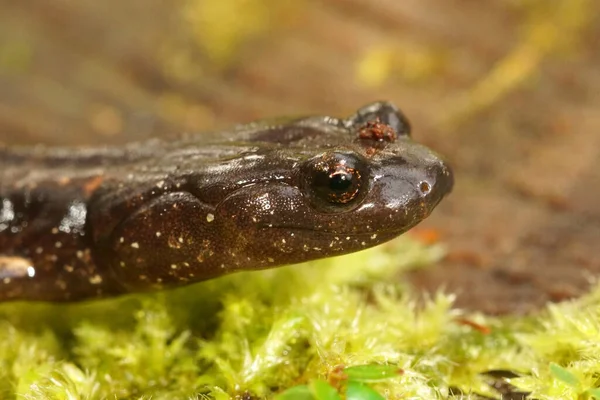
(342, 235)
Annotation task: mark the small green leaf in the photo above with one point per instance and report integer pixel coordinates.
(322, 390)
(372, 372)
(564, 375)
(300, 392)
(358, 391)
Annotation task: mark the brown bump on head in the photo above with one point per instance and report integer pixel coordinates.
(377, 131)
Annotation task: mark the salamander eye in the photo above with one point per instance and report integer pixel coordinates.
(335, 179)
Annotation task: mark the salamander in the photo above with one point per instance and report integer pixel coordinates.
(84, 223)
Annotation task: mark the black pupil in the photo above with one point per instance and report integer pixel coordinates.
(340, 181)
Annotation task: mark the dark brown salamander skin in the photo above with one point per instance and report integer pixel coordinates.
(85, 223)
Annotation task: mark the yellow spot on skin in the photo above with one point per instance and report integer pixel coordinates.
(158, 234)
(135, 245)
(6, 280)
(122, 264)
(173, 243)
(270, 259)
(180, 240)
(64, 181)
(58, 245)
(39, 250)
(54, 231)
(68, 268)
(93, 184)
(210, 217)
(174, 266)
(121, 239)
(95, 279)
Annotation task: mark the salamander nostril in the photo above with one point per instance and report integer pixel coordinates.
(425, 187)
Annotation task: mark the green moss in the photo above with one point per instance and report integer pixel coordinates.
(297, 328)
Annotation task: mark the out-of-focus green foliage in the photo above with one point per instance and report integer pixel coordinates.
(321, 330)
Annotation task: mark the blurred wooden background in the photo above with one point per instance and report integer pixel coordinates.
(508, 90)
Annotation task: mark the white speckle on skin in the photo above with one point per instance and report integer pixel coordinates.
(160, 184)
(174, 266)
(6, 280)
(79, 254)
(39, 250)
(158, 234)
(283, 241)
(347, 237)
(30, 271)
(270, 259)
(222, 266)
(180, 240)
(316, 248)
(54, 231)
(121, 239)
(363, 243)
(254, 219)
(69, 268)
(135, 245)
(95, 279)
(58, 245)
(210, 217)
(374, 236)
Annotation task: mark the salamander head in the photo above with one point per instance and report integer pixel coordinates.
(362, 182)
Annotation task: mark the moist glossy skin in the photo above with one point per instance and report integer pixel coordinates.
(85, 223)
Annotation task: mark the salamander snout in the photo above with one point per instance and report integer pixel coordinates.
(437, 182)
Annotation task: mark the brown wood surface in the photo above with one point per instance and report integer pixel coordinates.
(508, 91)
